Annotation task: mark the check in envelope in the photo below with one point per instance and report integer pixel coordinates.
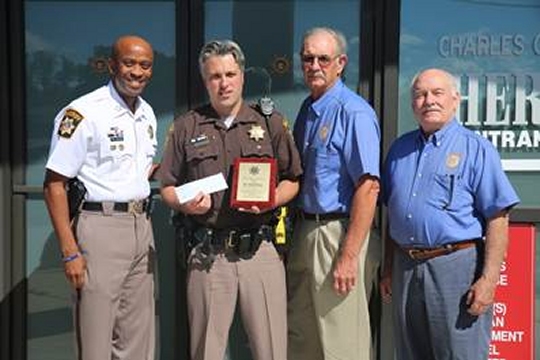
(207, 185)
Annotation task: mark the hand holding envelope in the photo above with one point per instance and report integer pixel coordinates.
(207, 185)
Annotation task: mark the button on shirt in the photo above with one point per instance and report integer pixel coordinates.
(111, 150)
(443, 189)
(338, 137)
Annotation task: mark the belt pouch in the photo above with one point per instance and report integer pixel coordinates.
(243, 245)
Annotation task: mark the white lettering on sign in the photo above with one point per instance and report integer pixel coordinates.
(493, 350)
(498, 321)
(507, 336)
(502, 107)
(536, 44)
(494, 92)
(499, 308)
(477, 45)
(510, 140)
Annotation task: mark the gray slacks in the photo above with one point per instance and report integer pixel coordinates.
(431, 321)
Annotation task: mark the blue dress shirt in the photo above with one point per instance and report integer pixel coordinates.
(338, 138)
(444, 188)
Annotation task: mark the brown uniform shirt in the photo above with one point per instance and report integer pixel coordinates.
(200, 145)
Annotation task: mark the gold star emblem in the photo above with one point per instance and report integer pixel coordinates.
(256, 132)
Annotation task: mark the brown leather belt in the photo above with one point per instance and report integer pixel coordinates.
(430, 253)
(324, 217)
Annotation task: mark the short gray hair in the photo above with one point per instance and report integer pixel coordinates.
(222, 48)
(339, 38)
(451, 80)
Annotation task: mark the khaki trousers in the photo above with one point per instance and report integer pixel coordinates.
(114, 311)
(322, 324)
(258, 284)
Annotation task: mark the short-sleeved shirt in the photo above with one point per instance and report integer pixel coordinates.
(200, 145)
(109, 148)
(338, 137)
(444, 188)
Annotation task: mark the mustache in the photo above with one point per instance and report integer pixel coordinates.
(316, 74)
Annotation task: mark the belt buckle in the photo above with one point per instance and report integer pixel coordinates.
(413, 253)
(136, 207)
(229, 241)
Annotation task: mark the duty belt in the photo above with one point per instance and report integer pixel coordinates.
(132, 207)
(430, 253)
(223, 239)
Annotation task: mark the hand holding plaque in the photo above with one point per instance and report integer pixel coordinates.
(254, 183)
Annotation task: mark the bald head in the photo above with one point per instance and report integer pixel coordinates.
(439, 73)
(434, 99)
(130, 67)
(126, 42)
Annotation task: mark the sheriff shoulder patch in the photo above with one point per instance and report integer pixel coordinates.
(69, 123)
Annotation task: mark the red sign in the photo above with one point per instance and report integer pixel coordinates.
(512, 335)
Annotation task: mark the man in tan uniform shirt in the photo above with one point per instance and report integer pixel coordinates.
(233, 258)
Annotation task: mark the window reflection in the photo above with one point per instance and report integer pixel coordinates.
(273, 48)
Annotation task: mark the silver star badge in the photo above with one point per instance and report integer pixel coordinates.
(256, 132)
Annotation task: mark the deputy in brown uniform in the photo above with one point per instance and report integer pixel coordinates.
(233, 257)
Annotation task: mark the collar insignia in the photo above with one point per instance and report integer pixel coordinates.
(256, 132)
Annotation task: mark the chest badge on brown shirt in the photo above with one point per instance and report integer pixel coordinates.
(256, 132)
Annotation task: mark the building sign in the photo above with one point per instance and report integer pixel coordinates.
(502, 104)
(512, 335)
(505, 109)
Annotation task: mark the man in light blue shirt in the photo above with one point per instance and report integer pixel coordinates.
(338, 137)
(448, 201)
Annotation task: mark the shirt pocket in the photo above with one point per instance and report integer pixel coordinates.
(325, 160)
(254, 149)
(449, 192)
(117, 159)
(196, 155)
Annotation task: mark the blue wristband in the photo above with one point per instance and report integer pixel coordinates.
(72, 257)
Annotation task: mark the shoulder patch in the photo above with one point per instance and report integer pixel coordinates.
(169, 134)
(285, 123)
(69, 123)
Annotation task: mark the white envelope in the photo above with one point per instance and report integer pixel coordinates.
(207, 185)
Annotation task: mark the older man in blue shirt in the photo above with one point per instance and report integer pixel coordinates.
(448, 201)
(338, 137)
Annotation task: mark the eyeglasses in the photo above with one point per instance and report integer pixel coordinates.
(322, 60)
